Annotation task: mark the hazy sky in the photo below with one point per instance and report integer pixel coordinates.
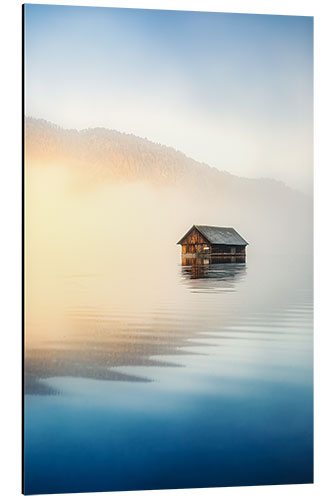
(231, 90)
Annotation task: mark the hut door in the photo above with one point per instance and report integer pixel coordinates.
(233, 250)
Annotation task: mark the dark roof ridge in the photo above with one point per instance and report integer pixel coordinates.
(217, 235)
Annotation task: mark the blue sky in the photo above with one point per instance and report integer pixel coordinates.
(231, 90)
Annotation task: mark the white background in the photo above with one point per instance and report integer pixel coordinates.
(10, 248)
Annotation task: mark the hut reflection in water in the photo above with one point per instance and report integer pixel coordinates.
(218, 269)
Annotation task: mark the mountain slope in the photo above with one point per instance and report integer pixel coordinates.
(263, 210)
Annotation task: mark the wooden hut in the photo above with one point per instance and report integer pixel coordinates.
(200, 241)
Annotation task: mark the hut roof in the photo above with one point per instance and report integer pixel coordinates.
(218, 235)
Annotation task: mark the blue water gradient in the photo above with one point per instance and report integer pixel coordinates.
(234, 407)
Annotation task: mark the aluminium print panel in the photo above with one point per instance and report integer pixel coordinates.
(147, 364)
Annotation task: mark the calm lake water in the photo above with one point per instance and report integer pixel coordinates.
(155, 375)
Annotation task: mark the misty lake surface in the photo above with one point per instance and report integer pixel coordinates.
(154, 375)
